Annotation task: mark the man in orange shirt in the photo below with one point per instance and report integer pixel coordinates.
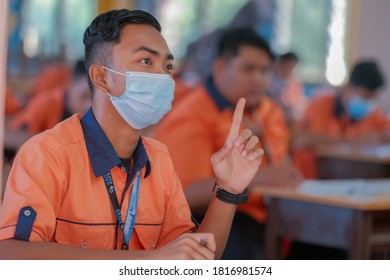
(45, 110)
(196, 128)
(92, 182)
(349, 116)
(285, 89)
(53, 75)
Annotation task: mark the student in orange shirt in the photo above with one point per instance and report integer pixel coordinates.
(54, 75)
(44, 111)
(285, 89)
(349, 116)
(197, 126)
(92, 185)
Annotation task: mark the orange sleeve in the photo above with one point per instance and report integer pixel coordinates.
(52, 76)
(37, 181)
(43, 111)
(12, 104)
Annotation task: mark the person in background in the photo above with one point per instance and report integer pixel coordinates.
(349, 116)
(196, 127)
(285, 89)
(93, 188)
(53, 75)
(45, 110)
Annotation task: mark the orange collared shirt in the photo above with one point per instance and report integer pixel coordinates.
(196, 128)
(42, 112)
(52, 76)
(56, 192)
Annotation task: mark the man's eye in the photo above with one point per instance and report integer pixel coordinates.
(146, 61)
(170, 67)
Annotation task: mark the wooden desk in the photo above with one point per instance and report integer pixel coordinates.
(343, 161)
(357, 223)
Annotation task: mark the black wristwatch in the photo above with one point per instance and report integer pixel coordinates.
(231, 198)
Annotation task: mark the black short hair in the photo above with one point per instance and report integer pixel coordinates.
(232, 40)
(366, 74)
(79, 69)
(105, 31)
(289, 56)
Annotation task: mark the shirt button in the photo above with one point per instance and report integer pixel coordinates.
(84, 245)
(153, 245)
(123, 169)
(27, 213)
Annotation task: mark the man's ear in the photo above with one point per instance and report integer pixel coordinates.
(98, 77)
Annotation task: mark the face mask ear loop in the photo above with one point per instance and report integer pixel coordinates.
(113, 71)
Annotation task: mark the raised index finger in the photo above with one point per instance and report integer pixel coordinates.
(237, 119)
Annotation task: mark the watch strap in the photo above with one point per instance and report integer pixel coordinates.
(231, 198)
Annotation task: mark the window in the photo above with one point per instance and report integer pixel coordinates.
(315, 30)
(44, 30)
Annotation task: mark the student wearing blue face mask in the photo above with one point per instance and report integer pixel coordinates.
(348, 115)
(351, 115)
(94, 188)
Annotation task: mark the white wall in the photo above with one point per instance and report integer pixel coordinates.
(371, 37)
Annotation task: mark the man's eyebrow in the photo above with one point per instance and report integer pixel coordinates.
(169, 56)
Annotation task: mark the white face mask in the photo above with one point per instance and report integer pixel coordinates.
(147, 98)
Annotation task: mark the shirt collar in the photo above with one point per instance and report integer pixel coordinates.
(217, 97)
(338, 108)
(101, 152)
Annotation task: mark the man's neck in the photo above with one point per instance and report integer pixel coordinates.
(123, 137)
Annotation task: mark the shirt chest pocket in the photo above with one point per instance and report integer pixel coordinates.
(146, 236)
(91, 236)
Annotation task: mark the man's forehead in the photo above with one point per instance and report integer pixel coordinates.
(247, 50)
(140, 32)
(139, 37)
(254, 56)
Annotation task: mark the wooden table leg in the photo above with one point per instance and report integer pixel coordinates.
(272, 238)
(362, 229)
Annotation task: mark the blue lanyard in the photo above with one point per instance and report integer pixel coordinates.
(127, 226)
